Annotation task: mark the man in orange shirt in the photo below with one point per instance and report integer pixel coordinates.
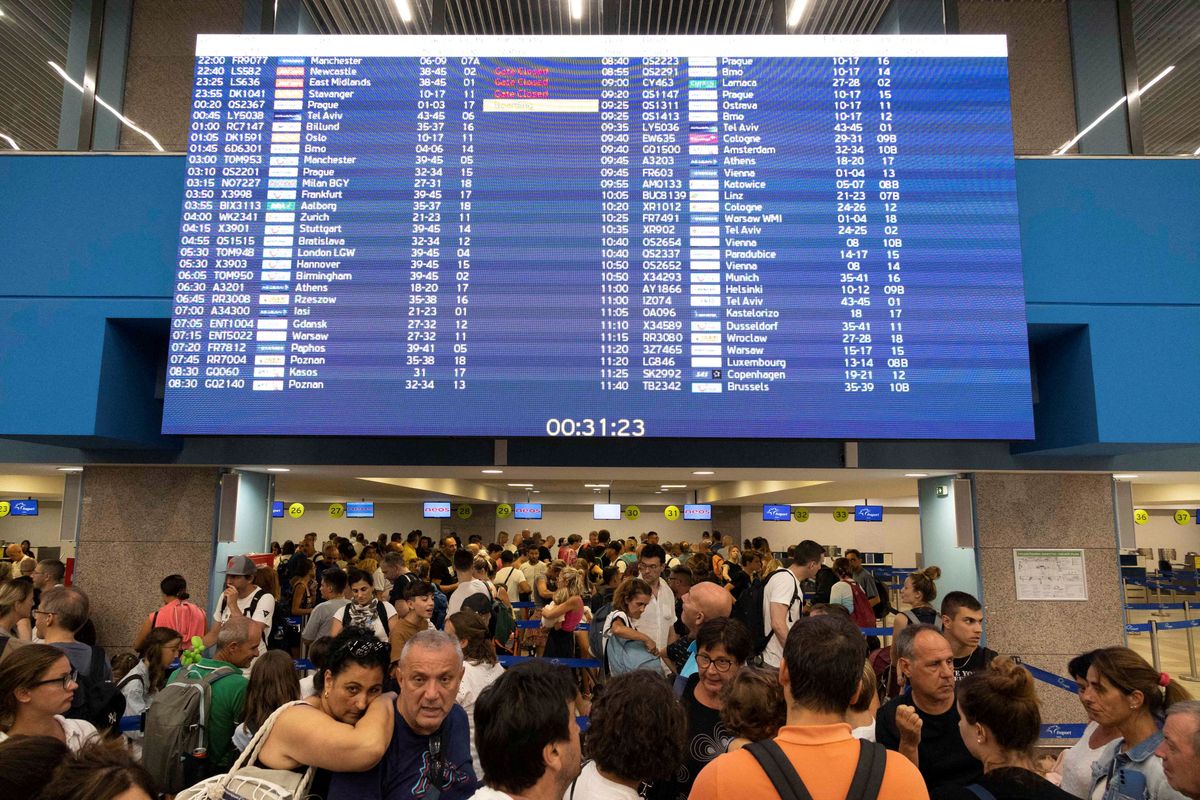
(821, 675)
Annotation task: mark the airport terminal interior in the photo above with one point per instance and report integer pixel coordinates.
(913, 279)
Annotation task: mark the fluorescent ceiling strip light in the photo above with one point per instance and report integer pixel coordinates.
(1113, 108)
(795, 12)
(11, 141)
(576, 9)
(124, 120)
(405, 10)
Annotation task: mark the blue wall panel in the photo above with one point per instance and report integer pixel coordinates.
(1111, 250)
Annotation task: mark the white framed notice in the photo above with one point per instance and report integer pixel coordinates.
(1050, 574)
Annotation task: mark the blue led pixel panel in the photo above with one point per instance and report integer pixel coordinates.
(783, 237)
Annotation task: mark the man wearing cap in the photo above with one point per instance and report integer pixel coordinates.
(242, 598)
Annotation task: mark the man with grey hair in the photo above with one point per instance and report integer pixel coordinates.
(430, 751)
(62, 612)
(1180, 748)
(237, 644)
(923, 725)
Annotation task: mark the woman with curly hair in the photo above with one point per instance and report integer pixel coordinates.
(637, 735)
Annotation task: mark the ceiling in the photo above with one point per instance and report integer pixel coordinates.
(1166, 33)
(644, 17)
(566, 485)
(32, 32)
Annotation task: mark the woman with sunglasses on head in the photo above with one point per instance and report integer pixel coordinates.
(37, 684)
(722, 647)
(347, 725)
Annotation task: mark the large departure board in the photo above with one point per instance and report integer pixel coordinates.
(776, 236)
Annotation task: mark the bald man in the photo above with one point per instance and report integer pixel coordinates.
(703, 602)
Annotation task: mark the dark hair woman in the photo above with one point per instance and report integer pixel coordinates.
(273, 683)
(161, 648)
(176, 613)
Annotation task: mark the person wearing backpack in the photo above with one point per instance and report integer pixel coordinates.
(242, 598)
(190, 724)
(850, 596)
(64, 610)
(821, 676)
(781, 601)
(364, 610)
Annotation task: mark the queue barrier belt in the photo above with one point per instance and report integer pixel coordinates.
(522, 604)
(876, 631)
(573, 663)
(1137, 627)
(537, 623)
(1042, 675)
(1179, 624)
(1063, 731)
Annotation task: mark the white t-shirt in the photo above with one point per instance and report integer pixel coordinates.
(659, 616)
(77, 731)
(591, 785)
(510, 578)
(533, 572)
(842, 593)
(1076, 767)
(781, 588)
(381, 633)
(462, 592)
(262, 612)
(307, 689)
(487, 793)
(380, 582)
(476, 678)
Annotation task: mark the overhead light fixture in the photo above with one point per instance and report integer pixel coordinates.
(916, 474)
(1113, 108)
(405, 10)
(704, 472)
(1124, 476)
(67, 469)
(492, 471)
(536, 491)
(674, 486)
(576, 9)
(795, 12)
(11, 141)
(278, 469)
(100, 101)
(595, 485)
(522, 485)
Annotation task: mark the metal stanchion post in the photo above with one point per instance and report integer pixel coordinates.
(1191, 644)
(1162, 612)
(1154, 654)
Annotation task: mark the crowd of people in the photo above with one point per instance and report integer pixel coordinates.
(586, 668)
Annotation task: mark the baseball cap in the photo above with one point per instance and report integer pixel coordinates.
(240, 565)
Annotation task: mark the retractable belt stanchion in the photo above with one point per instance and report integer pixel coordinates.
(1155, 655)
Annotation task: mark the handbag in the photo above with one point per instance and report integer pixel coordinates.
(244, 782)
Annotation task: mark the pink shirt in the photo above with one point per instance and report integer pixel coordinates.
(181, 616)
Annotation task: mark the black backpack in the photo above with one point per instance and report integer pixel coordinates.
(749, 609)
(97, 700)
(865, 785)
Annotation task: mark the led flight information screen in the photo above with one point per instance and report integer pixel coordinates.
(600, 236)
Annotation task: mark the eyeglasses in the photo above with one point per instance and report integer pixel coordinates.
(64, 680)
(47, 613)
(703, 662)
(642, 565)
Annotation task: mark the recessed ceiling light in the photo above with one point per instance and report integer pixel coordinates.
(522, 485)
(278, 469)
(1124, 476)
(595, 485)
(492, 471)
(703, 472)
(537, 491)
(70, 469)
(916, 474)
(674, 486)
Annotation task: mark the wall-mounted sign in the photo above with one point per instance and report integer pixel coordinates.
(1050, 574)
(504, 511)
(464, 511)
(296, 510)
(841, 514)
(1141, 516)
(336, 511)
(672, 513)
(1183, 517)
(800, 514)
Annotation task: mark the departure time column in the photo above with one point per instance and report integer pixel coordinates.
(196, 255)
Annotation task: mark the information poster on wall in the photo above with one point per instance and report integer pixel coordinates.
(1050, 574)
